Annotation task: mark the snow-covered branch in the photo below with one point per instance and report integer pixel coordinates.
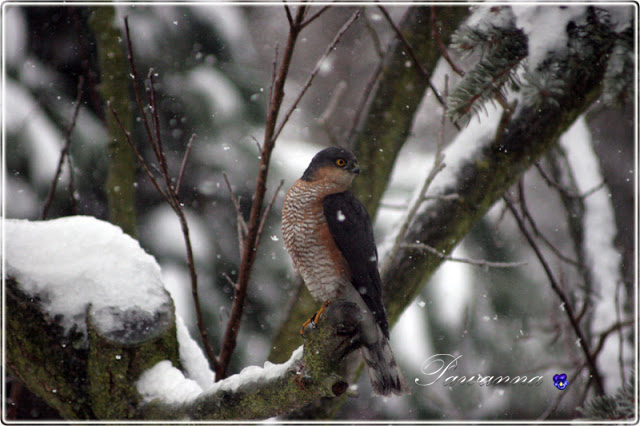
(92, 331)
(490, 155)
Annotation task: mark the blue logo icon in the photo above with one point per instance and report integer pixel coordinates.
(560, 381)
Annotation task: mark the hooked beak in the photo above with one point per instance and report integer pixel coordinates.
(355, 169)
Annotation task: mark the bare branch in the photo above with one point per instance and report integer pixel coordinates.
(363, 100)
(564, 191)
(323, 120)
(435, 33)
(170, 193)
(315, 16)
(413, 56)
(527, 216)
(273, 78)
(474, 262)
(141, 160)
(289, 17)
(377, 45)
(438, 166)
(267, 210)
(136, 87)
(618, 326)
(64, 154)
(155, 116)
(249, 247)
(241, 224)
(307, 84)
(184, 163)
(566, 306)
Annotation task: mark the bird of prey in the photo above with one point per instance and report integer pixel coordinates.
(328, 233)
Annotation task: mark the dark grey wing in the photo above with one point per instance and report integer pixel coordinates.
(350, 226)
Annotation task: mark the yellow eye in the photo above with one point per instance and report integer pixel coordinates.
(340, 162)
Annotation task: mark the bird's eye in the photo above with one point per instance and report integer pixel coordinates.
(340, 162)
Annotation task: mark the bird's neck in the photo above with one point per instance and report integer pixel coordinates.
(319, 189)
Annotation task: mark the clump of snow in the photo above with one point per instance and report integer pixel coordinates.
(166, 382)
(169, 385)
(75, 262)
(546, 28)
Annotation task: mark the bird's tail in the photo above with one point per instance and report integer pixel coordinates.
(384, 373)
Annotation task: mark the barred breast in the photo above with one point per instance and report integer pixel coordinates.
(308, 240)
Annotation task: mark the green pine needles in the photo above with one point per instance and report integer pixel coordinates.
(503, 49)
(620, 406)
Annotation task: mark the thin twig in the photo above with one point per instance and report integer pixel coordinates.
(435, 33)
(64, 153)
(241, 224)
(560, 396)
(155, 116)
(184, 163)
(438, 166)
(255, 216)
(323, 120)
(170, 194)
(618, 326)
(481, 263)
(527, 216)
(136, 87)
(568, 310)
(372, 33)
(266, 212)
(315, 16)
(564, 190)
(307, 84)
(366, 93)
(141, 160)
(414, 57)
(230, 281)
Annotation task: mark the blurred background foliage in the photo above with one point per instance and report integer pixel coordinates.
(214, 66)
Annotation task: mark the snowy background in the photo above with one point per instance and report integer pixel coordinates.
(214, 65)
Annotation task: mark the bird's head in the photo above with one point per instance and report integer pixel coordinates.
(333, 165)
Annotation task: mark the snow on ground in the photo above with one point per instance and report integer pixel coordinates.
(73, 262)
(169, 385)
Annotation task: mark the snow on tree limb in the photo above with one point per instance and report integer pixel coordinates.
(77, 263)
(91, 330)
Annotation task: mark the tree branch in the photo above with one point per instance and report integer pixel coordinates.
(250, 249)
(170, 192)
(308, 378)
(566, 305)
(64, 154)
(395, 99)
(307, 84)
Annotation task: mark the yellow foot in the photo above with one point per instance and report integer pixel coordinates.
(315, 318)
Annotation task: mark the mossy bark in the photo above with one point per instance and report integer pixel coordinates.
(52, 364)
(82, 379)
(114, 88)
